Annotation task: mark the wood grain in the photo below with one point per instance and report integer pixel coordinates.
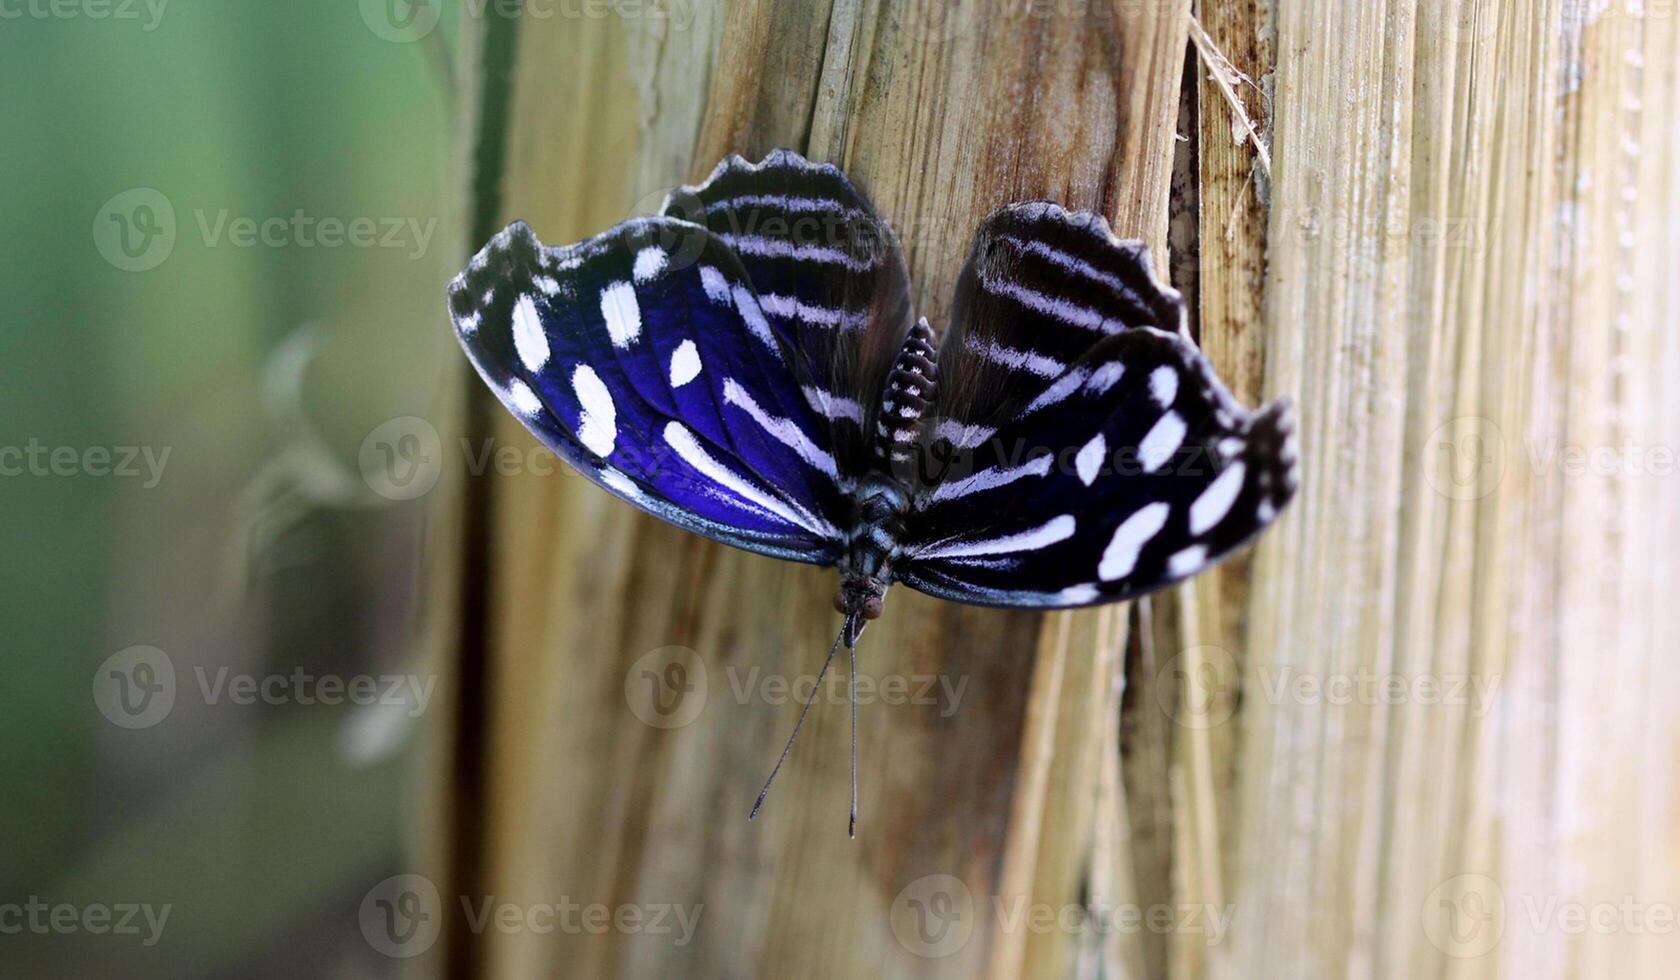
(1466, 249)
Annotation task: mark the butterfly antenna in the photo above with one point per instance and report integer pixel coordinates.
(796, 725)
(851, 694)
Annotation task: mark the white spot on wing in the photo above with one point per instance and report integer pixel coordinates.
(650, 262)
(529, 341)
(620, 484)
(1161, 441)
(1072, 263)
(833, 406)
(1215, 502)
(789, 307)
(963, 436)
(987, 479)
(1105, 377)
(778, 248)
(598, 424)
(782, 430)
(525, 401)
(716, 287)
(747, 305)
(1043, 536)
(622, 313)
(1090, 459)
(1163, 385)
(1078, 594)
(1187, 562)
(1051, 306)
(1064, 386)
(1121, 555)
(691, 452)
(548, 284)
(785, 202)
(1019, 360)
(685, 364)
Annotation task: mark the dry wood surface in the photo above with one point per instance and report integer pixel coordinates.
(1432, 713)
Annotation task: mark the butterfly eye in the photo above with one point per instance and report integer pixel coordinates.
(872, 607)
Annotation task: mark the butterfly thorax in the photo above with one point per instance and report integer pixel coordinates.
(881, 501)
(872, 541)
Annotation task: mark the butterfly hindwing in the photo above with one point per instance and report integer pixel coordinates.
(645, 360)
(1140, 471)
(828, 272)
(1083, 449)
(1041, 287)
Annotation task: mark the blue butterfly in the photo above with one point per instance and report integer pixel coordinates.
(746, 365)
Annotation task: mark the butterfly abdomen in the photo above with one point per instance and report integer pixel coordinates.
(881, 500)
(909, 391)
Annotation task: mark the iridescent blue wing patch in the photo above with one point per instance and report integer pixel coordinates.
(645, 359)
(828, 272)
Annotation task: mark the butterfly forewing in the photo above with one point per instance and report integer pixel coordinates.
(827, 270)
(644, 358)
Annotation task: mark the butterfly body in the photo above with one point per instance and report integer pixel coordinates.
(746, 365)
(872, 542)
(882, 501)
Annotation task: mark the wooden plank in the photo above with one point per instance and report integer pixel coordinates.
(1460, 265)
(1447, 281)
(1003, 794)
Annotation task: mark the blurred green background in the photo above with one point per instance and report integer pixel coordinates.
(173, 286)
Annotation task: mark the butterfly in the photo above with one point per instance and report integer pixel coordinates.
(747, 365)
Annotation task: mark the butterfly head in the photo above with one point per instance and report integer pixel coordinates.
(861, 596)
